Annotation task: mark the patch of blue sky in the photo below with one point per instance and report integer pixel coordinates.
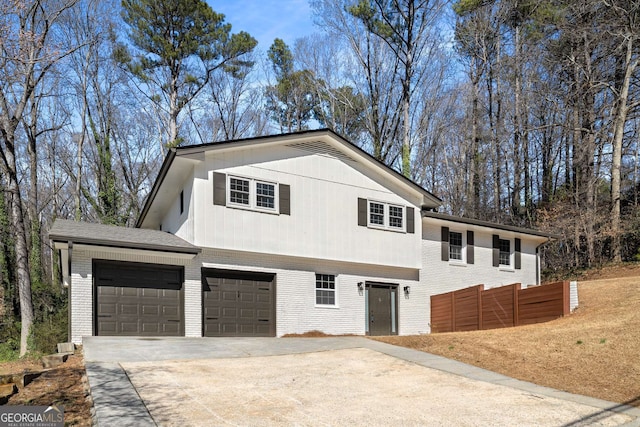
(267, 20)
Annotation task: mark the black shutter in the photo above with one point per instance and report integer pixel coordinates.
(219, 189)
(444, 234)
(496, 250)
(470, 251)
(411, 220)
(362, 212)
(518, 260)
(284, 191)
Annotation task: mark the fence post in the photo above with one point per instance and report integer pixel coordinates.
(480, 321)
(566, 298)
(516, 303)
(453, 311)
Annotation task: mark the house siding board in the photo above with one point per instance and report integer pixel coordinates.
(181, 224)
(324, 205)
(81, 297)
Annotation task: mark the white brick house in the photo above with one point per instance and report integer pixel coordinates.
(281, 234)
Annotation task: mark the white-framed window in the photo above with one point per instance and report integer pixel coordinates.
(455, 246)
(385, 215)
(376, 213)
(265, 195)
(505, 252)
(252, 193)
(396, 217)
(325, 289)
(239, 191)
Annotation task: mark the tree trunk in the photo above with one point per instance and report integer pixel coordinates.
(21, 252)
(620, 121)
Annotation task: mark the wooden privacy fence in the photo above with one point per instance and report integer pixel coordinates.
(475, 308)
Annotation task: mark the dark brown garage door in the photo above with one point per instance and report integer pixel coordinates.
(238, 304)
(138, 299)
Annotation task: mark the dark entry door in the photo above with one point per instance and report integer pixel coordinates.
(137, 299)
(237, 303)
(382, 309)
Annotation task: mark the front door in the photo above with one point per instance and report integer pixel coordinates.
(382, 308)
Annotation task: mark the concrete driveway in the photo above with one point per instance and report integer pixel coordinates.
(316, 381)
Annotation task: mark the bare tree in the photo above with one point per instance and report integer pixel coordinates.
(28, 54)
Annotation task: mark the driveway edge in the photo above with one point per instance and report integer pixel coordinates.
(115, 400)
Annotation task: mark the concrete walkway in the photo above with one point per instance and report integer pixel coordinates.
(117, 402)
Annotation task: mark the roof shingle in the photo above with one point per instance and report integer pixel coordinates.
(64, 230)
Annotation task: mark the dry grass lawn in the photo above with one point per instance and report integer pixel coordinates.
(594, 352)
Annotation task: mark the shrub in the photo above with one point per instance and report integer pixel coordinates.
(46, 334)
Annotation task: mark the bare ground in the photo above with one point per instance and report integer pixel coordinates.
(594, 352)
(64, 385)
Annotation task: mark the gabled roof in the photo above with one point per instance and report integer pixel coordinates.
(120, 237)
(304, 139)
(487, 224)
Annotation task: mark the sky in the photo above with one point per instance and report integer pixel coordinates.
(266, 20)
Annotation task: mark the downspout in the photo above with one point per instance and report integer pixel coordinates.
(70, 250)
(538, 272)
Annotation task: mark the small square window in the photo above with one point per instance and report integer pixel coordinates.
(376, 213)
(505, 252)
(395, 216)
(325, 289)
(455, 246)
(239, 191)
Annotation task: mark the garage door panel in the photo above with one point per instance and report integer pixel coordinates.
(107, 327)
(127, 328)
(128, 309)
(247, 314)
(128, 292)
(170, 311)
(229, 312)
(229, 296)
(150, 310)
(138, 299)
(171, 328)
(243, 298)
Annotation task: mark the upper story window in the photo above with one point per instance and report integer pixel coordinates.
(252, 194)
(265, 195)
(385, 215)
(376, 213)
(325, 289)
(396, 216)
(239, 191)
(455, 246)
(505, 256)
(505, 252)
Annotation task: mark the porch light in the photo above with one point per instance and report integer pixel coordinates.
(360, 286)
(407, 290)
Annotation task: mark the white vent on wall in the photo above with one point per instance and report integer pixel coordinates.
(319, 147)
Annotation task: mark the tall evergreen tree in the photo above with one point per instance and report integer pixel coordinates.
(291, 99)
(179, 44)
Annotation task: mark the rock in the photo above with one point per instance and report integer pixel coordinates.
(54, 360)
(21, 380)
(6, 391)
(66, 347)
